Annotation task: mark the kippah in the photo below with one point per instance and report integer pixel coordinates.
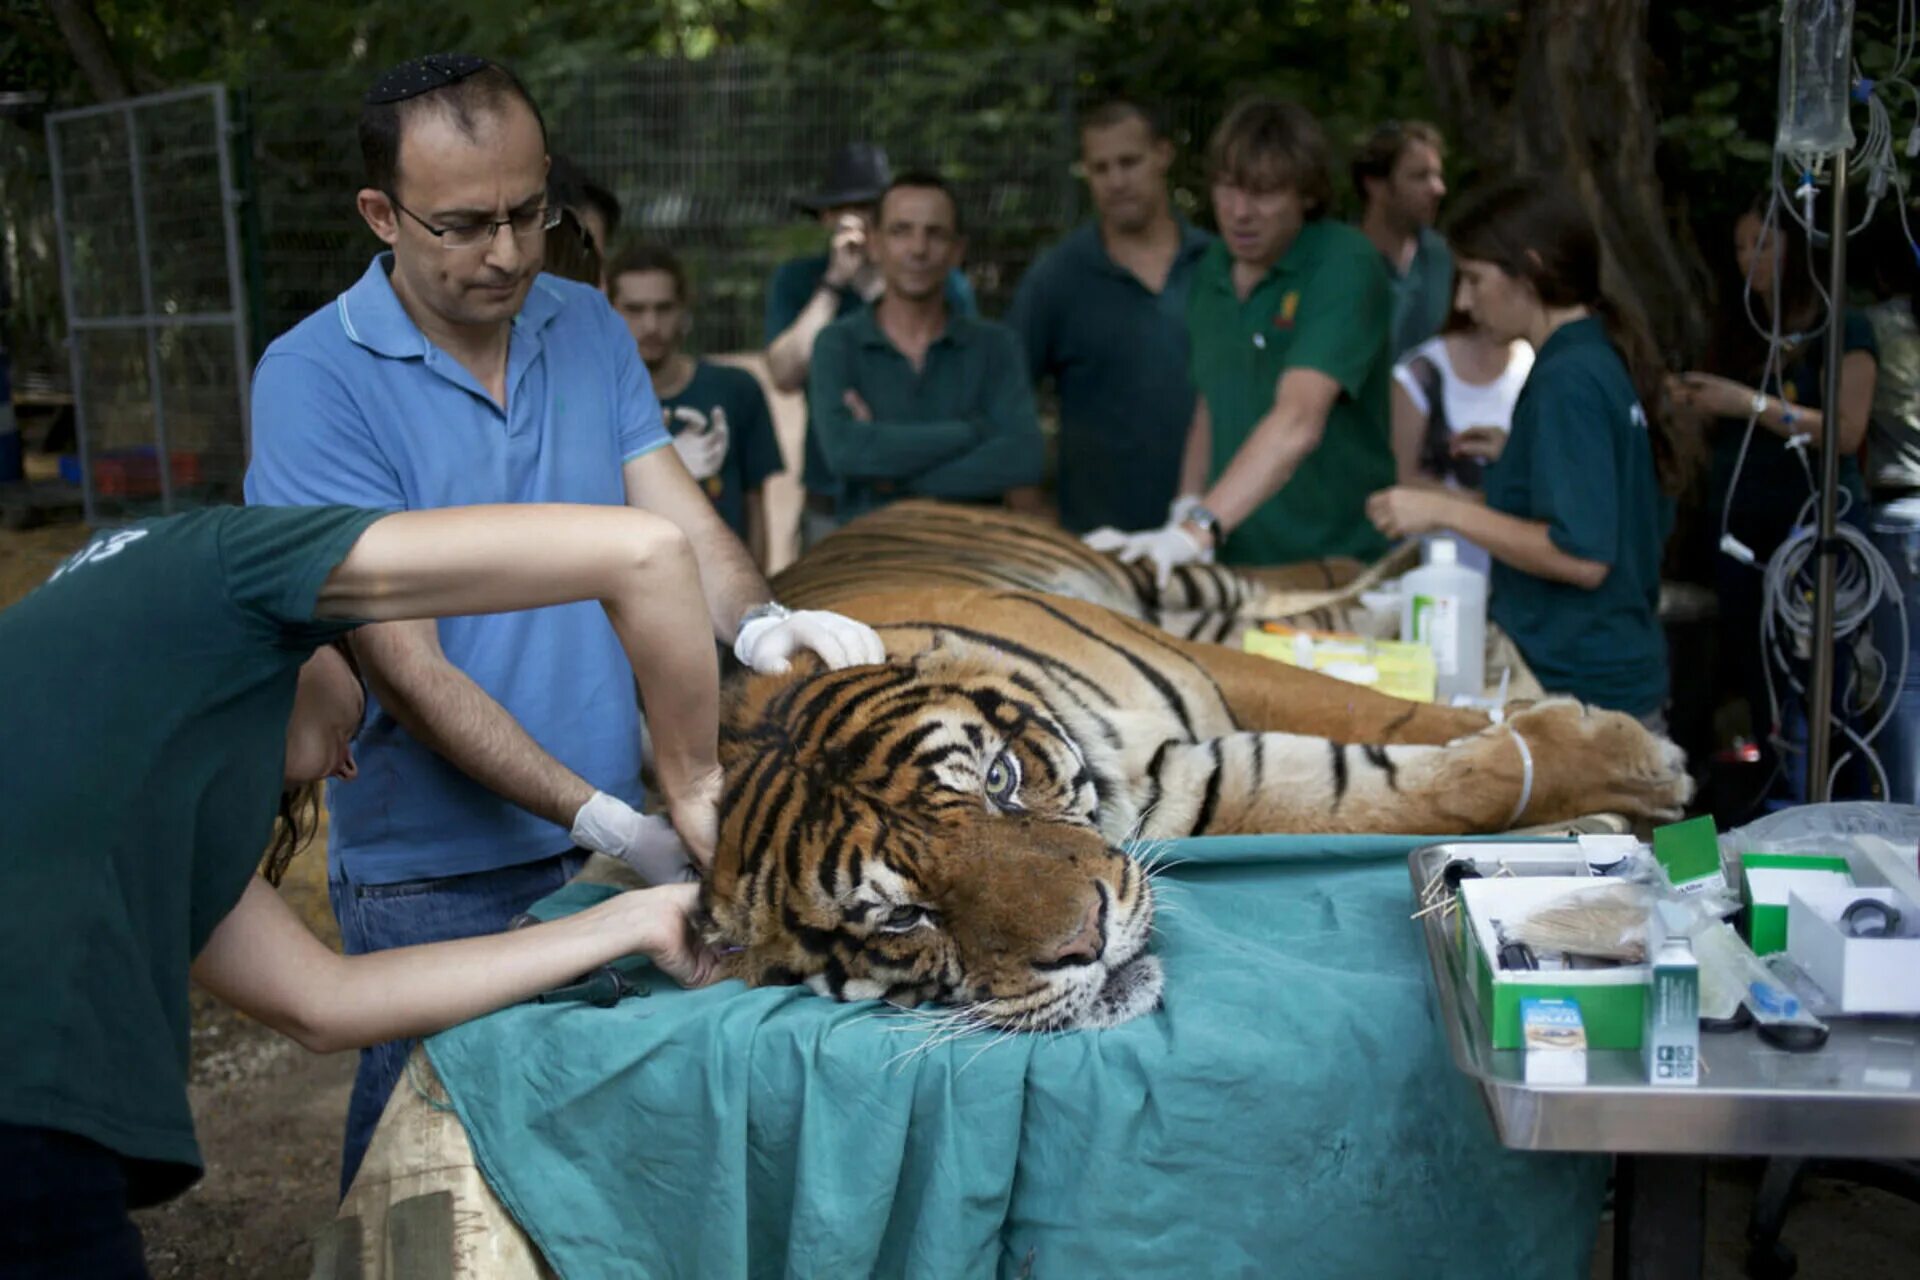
(423, 75)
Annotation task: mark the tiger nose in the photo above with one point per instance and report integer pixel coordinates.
(1084, 945)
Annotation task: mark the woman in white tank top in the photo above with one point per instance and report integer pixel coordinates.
(1478, 380)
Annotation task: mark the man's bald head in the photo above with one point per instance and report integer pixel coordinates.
(462, 90)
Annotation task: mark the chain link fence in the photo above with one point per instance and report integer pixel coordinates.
(149, 251)
(706, 156)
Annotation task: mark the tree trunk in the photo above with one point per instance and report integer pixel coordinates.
(1571, 100)
(93, 53)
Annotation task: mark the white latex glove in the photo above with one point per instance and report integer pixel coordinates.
(765, 644)
(1166, 547)
(1107, 538)
(702, 452)
(648, 844)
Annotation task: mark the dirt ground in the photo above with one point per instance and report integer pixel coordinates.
(270, 1113)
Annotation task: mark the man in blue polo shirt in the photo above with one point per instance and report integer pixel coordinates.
(495, 749)
(1104, 315)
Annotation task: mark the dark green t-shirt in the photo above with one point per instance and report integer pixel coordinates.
(788, 293)
(147, 686)
(719, 398)
(1325, 306)
(960, 427)
(1117, 353)
(1580, 459)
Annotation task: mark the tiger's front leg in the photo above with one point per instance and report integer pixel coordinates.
(1552, 762)
(1271, 696)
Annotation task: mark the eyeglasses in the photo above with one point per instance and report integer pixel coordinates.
(472, 234)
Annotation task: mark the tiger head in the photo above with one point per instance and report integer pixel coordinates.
(927, 830)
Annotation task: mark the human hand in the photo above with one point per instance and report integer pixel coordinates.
(856, 405)
(1166, 547)
(847, 251)
(703, 452)
(1482, 443)
(1404, 511)
(648, 844)
(672, 939)
(766, 644)
(1712, 394)
(695, 809)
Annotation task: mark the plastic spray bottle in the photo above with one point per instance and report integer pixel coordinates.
(1443, 605)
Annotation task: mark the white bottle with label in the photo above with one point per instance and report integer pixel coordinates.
(1443, 605)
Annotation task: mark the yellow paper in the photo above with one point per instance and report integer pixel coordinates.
(1402, 669)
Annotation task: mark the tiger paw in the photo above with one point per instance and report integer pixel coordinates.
(1588, 760)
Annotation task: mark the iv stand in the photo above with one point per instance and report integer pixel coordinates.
(1826, 548)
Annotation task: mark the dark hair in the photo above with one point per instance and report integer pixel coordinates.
(298, 817)
(924, 180)
(569, 185)
(1375, 158)
(293, 829)
(1529, 229)
(1267, 144)
(464, 101)
(1739, 343)
(647, 257)
(1112, 111)
(570, 251)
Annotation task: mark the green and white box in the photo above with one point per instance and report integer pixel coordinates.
(1612, 1001)
(1766, 881)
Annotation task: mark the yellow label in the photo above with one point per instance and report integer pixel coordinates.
(1390, 666)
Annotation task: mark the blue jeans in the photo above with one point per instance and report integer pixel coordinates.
(1895, 530)
(379, 917)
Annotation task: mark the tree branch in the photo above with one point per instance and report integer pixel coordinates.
(87, 42)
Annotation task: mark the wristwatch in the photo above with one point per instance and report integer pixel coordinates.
(766, 609)
(1202, 518)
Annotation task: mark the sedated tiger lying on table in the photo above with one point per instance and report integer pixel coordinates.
(948, 827)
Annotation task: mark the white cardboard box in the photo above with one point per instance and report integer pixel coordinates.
(1861, 975)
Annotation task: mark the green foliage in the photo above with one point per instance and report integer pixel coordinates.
(1354, 62)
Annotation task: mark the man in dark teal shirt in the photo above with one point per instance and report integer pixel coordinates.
(807, 294)
(717, 415)
(1398, 175)
(907, 398)
(1103, 314)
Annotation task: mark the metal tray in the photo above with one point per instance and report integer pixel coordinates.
(1858, 1096)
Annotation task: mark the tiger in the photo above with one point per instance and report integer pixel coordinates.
(953, 826)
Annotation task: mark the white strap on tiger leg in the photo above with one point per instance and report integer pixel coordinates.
(1526, 778)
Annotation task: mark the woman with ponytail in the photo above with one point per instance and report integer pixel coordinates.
(1580, 501)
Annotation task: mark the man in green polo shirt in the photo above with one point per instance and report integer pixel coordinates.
(908, 399)
(1104, 316)
(1288, 323)
(1397, 173)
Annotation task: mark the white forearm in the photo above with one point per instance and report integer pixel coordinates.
(1279, 443)
(464, 560)
(263, 961)
(789, 354)
(730, 579)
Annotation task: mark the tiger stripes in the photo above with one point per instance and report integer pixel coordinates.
(950, 827)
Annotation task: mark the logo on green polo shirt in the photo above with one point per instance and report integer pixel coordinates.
(1289, 303)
